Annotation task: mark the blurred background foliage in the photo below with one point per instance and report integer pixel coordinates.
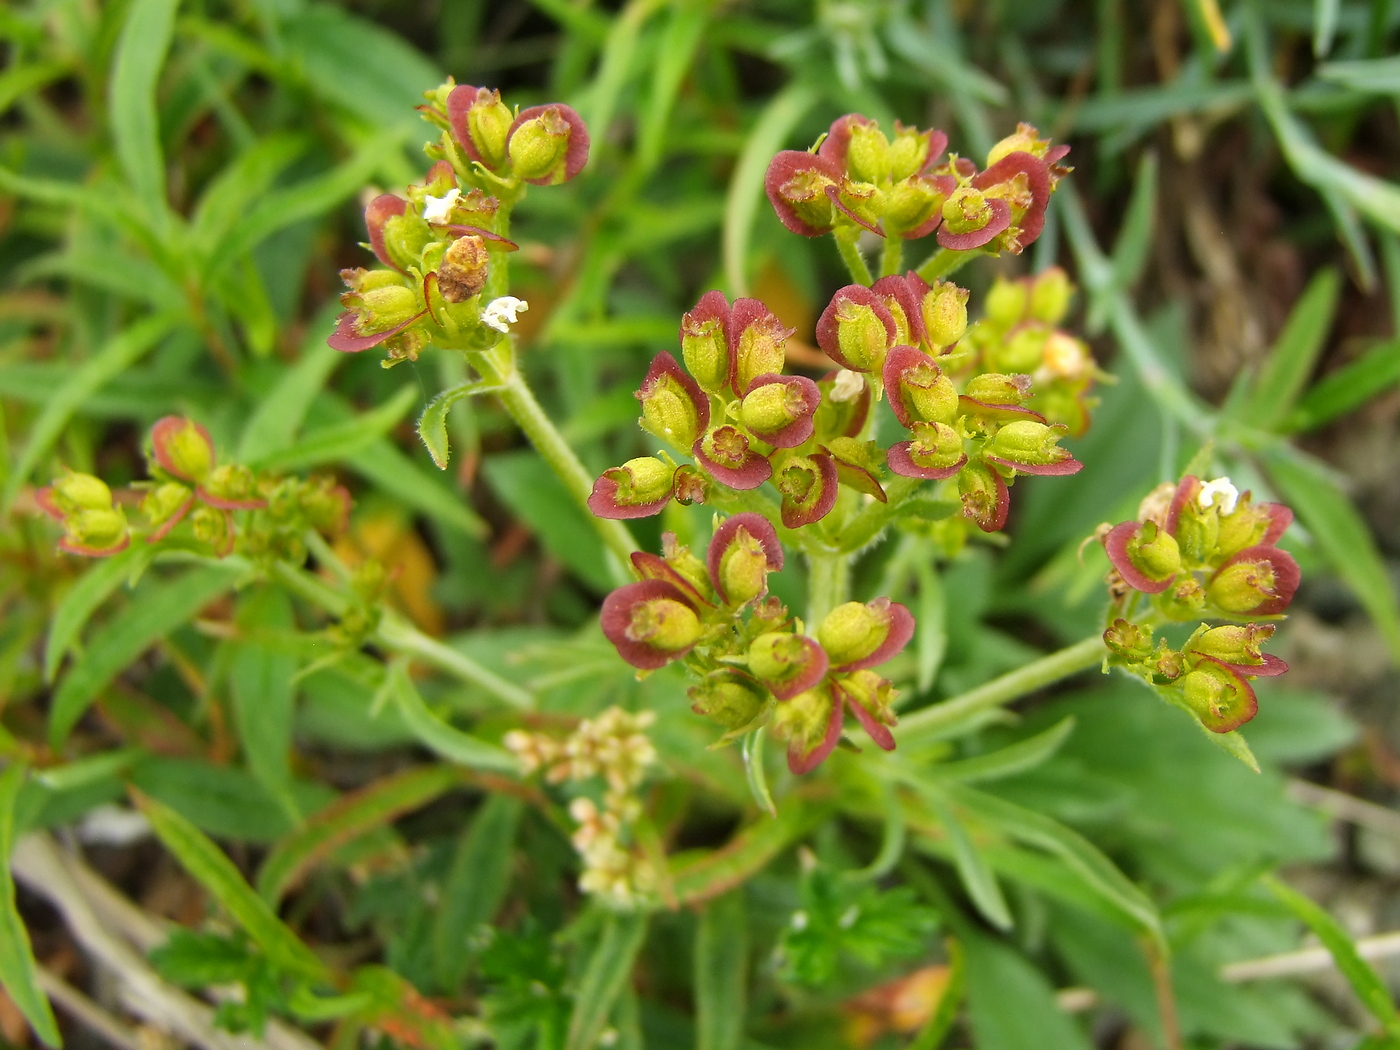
(180, 184)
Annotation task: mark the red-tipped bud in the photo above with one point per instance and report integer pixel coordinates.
(1025, 139)
(787, 663)
(230, 487)
(1019, 181)
(729, 698)
(780, 409)
(1219, 696)
(705, 342)
(1029, 447)
(95, 533)
(637, 489)
(984, 496)
(971, 220)
(481, 123)
(858, 635)
(377, 213)
(757, 341)
(797, 184)
(914, 206)
(1258, 581)
(650, 623)
(913, 152)
(1146, 556)
(918, 390)
(903, 298)
(867, 153)
(182, 448)
(725, 451)
(856, 330)
(808, 485)
(547, 145)
(673, 406)
(1237, 646)
(944, 313)
(744, 550)
(871, 699)
(934, 453)
(810, 722)
(164, 506)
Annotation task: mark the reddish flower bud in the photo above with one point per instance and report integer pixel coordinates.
(378, 212)
(837, 144)
(481, 123)
(871, 699)
(1219, 696)
(705, 342)
(182, 448)
(744, 550)
(654, 567)
(726, 453)
(856, 330)
(350, 336)
(1258, 581)
(686, 565)
(984, 496)
(780, 409)
(230, 487)
(1005, 178)
(787, 663)
(971, 220)
(757, 343)
(1030, 447)
(903, 298)
(934, 453)
(164, 507)
(858, 635)
(637, 489)
(914, 152)
(1145, 556)
(858, 465)
(914, 206)
(1237, 646)
(95, 533)
(918, 390)
(729, 698)
(650, 623)
(1025, 139)
(673, 406)
(810, 722)
(944, 313)
(797, 184)
(547, 145)
(808, 485)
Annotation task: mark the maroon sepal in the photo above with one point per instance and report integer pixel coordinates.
(68, 546)
(838, 139)
(989, 516)
(348, 341)
(899, 360)
(690, 485)
(1055, 154)
(815, 664)
(159, 437)
(459, 102)
(430, 279)
(908, 295)
(44, 498)
(757, 526)
(1115, 544)
(877, 730)
(575, 155)
(945, 184)
(1001, 413)
(602, 501)
(169, 523)
(781, 169)
(663, 364)
(1271, 666)
(828, 337)
(1037, 178)
(799, 763)
(377, 213)
(901, 622)
(616, 620)
(800, 429)
(746, 469)
(819, 499)
(857, 476)
(963, 242)
(219, 503)
(1280, 517)
(654, 567)
(1286, 576)
(1228, 721)
(493, 240)
(746, 314)
(1068, 465)
(900, 460)
(1186, 490)
(833, 194)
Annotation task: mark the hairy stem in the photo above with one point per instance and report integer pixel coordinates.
(927, 723)
(855, 263)
(892, 257)
(828, 585)
(944, 263)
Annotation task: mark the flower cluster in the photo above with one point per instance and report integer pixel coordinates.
(614, 746)
(191, 500)
(857, 178)
(754, 662)
(436, 244)
(1200, 550)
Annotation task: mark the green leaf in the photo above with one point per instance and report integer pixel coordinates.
(135, 123)
(1325, 13)
(120, 353)
(1134, 241)
(1337, 393)
(432, 424)
(279, 415)
(84, 597)
(223, 800)
(1340, 534)
(262, 687)
(199, 856)
(239, 185)
(340, 441)
(1291, 361)
(346, 819)
(699, 875)
(1007, 761)
(977, 877)
(476, 885)
(607, 971)
(156, 610)
(1379, 76)
(721, 973)
(931, 630)
(399, 477)
(18, 972)
(1011, 1004)
(439, 737)
(1365, 982)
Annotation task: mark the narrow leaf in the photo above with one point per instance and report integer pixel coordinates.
(721, 973)
(141, 51)
(1134, 241)
(18, 971)
(439, 737)
(476, 885)
(1010, 760)
(156, 610)
(1286, 370)
(608, 970)
(977, 877)
(1337, 393)
(432, 424)
(261, 675)
(199, 856)
(340, 441)
(1011, 1004)
(700, 875)
(83, 599)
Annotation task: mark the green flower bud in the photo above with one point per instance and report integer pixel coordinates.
(804, 720)
(945, 313)
(664, 624)
(1023, 350)
(1026, 139)
(966, 211)
(1154, 552)
(706, 351)
(936, 446)
(405, 237)
(993, 388)
(669, 412)
(182, 448)
(1197, 533)
(1233, 643)
(642, 480)
(743, 569)
(868, 155)
(762, 347)
(911, 203)
(76, 492)
(853, 630)
(1050, 295)
(1241, 588)
(361, 280)
(862, 337)
(231, 483)
(772, 407)
(381, 309)
(908, 152)
(97, 530)
(930, 394)
(1219, 697)
(1029, 443)
(488, 122)
(163, 502)
(538, 147)
(213, 527)
(730, 700)
(679, 557)
(1006, 302)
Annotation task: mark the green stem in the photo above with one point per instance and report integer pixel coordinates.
(850, 255)
(927, 723)
(828, 585)
(866, 525)
(944, 263)
(893, 256)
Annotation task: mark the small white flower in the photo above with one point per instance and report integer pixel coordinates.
(500, 313)
(847, 386)
(1222, 489)
(799, 920)
(437, 209)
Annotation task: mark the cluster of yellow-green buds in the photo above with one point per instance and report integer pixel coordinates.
(755, 664)
(1200, 550)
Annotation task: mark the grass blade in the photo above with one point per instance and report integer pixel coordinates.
(1293, 356)
(18, 972)
(135, 118)
(977, 877)
(1339, 392)
(1008, 761)
(476, 885)
(439, 737)
(83, 599)
(721, 973)
(608, 970)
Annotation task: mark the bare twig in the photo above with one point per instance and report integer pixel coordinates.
(86, 1012)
